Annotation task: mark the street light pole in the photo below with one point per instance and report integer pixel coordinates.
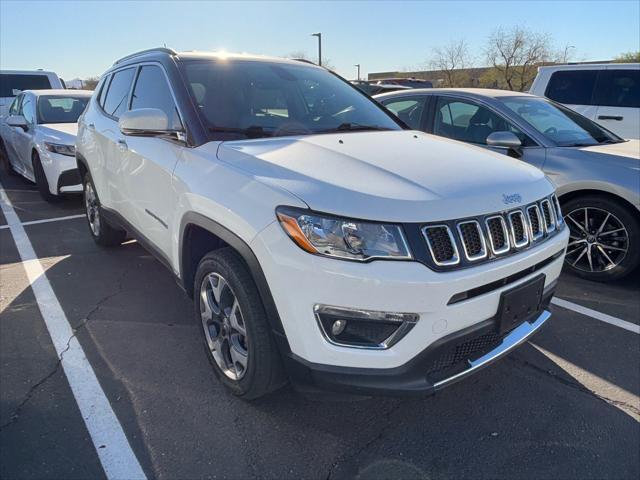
(358, 65)
(319, 35)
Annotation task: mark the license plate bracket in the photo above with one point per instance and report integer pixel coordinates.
(520, 304)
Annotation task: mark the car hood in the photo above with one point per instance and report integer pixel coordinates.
(628, 148)
(401, 176)
(60, 132)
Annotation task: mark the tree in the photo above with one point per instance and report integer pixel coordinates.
(629, 57)
(90, 83)
(516, 55)
(300, 55)
(450, 60)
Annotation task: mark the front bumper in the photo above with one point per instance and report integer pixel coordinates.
(61, 172)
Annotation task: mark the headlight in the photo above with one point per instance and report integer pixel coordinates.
(68, 150)
(343, 238)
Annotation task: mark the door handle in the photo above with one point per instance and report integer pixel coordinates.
(618, 118)
(122, 146)
(91, 126)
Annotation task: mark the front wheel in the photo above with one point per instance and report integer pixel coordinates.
(604, 238)
(41, 179)
(236, 332)
(103, 232)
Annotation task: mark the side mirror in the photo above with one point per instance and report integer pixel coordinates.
(147, 122)
(504, 139)
(17, 121)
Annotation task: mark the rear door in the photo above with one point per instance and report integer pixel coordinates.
(618, 98)
(147, 168)
(574, 88)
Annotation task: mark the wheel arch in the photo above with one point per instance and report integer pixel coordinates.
(564, 198)
(200, 235)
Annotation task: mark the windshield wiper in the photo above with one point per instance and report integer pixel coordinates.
(354, 127)
(254, 131)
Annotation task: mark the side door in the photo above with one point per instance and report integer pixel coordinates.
(575, 89)
(147, 168)
(111, 142)
(471, 122)
(618, 98)
(22, 137)
(410, 109)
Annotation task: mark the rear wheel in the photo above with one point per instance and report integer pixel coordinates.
(604, 238)
(103, 232)
(236, 333)
(41, 179)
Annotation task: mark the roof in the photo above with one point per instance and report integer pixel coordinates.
(28, 72)
(478, 92)
(590, 66)
(62, 92)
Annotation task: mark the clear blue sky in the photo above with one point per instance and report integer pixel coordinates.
(81, 39)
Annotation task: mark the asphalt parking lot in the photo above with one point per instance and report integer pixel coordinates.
(565, 405)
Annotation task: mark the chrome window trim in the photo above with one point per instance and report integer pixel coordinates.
(455, 260)
(525, 229)
(541, 221)
(505, 231)
(483, 252)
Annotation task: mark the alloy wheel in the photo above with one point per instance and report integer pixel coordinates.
(224, 326)
(598, 240)
(92, 208)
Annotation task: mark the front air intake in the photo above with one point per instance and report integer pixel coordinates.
(441, 244)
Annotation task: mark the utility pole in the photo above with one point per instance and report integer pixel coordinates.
(319, 35)
(358, 65)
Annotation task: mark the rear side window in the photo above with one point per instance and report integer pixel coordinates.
(618, 88)
(11, 84)
(104, 86)
(115, 102)
(152, 91)
(408, 109)
(572, 87)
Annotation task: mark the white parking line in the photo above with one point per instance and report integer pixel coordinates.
(47, 220)
(603, 317)
(113, 448)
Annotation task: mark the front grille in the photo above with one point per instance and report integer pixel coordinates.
(518, 229)
(549, 224)
(498, 234)
(535, 222)
(487, 237)
(558, 211)
(441, 245)
(457, 354)
(472, 240)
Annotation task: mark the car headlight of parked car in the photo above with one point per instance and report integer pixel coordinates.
(343, 238)
(68, 150)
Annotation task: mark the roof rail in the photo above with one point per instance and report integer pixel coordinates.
(169, 51)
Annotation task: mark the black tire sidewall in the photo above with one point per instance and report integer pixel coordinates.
(41, 179)
(262, 362)
(630, 222)
(108, 236)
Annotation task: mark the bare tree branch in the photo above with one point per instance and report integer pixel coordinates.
(450, 59)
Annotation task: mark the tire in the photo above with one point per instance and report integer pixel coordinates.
(262, 371)
(102, 231)
(41, 179)
(614, 255)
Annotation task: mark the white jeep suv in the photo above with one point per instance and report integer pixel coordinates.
(323, 241)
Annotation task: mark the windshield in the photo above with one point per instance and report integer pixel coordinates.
(250, 99)
(558, 123)
(60, 109)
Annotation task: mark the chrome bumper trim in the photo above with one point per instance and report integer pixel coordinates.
(517, 337)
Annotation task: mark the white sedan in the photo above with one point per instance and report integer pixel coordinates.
(37, 138)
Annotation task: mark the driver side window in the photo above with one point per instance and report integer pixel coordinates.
(27, 110)
(469, 122)
(15, 105)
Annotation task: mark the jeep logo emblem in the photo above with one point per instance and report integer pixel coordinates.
(513, 198)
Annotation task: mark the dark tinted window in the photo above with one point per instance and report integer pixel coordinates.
(15, 105)
(11, 83)
(152, 91)
(58, 109)
(116, 101)
(470, 122)
(104, 86)
(618, 88)
(408, 109)
(572, 87)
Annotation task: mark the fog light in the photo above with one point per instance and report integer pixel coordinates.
(338, 327)
(363, 328)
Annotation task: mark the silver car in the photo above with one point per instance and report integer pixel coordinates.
(597, 173)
